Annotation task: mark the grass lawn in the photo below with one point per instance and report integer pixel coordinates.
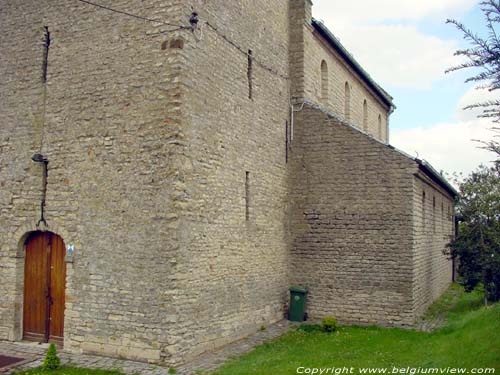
(470, 339)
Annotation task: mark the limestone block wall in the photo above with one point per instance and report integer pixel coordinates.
(351, 223)
(108, 119)
(300, 16)
(316, 51)
(433, 226)
(309, 51)
(169, 173)
(234, 235)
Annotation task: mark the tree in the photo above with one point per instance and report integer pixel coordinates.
(477, 246)
(484, 56)
(52, 361)
(493, 146)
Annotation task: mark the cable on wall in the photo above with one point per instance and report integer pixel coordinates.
(194, 24)
(244, 52)
(132, 15)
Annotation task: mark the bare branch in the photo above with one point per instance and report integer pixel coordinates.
(484, 55)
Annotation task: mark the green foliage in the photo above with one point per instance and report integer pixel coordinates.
(442, 306)
(483, 57)
(52, 361)
(329, 324)
(469, 340)
(172, 370)
(309, 328)
(477, 246)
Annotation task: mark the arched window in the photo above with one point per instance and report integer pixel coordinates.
(365, 116)
(347, 103)
(324, 82)
(380, 127)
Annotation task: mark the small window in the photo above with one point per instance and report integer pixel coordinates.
(365, 116)
(250, 74)
(423, 210)
(247, 195)
(324, 82)
(386, 127)
(442, 216)
(380, 129)
(347, 102)
(434, 214)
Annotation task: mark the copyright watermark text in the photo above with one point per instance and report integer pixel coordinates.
(393, 370)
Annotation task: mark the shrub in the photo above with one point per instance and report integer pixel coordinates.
(52, 361)
(329, 324)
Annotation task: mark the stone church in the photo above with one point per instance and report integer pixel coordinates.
(169, 168)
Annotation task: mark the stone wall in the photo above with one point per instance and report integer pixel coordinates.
(170, 181)
(351, 223)
(109, 120)
(433, 226)
(357, 240)
(235, 240)
(309, 49)
(168, 171)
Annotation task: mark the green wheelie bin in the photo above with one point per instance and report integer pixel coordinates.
(297, 304)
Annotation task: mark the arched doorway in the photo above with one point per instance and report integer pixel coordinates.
(44, 288)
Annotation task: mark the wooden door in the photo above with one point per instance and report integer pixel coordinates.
(44, 288)
(36, 287)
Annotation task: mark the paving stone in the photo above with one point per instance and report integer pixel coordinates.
(205, 362)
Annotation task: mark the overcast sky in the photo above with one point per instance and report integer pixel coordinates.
(406, 46)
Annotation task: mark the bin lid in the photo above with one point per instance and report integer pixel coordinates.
(298, 289)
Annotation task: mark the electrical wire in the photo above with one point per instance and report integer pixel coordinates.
(178, 27)
(257, 62)
(184, 27)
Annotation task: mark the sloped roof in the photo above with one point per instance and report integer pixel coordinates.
(427, 168)
(335, 43)
(423, 165)
(436, 176)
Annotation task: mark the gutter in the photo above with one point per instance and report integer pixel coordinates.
(436, 177)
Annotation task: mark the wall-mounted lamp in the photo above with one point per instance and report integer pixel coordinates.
(39, 158)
